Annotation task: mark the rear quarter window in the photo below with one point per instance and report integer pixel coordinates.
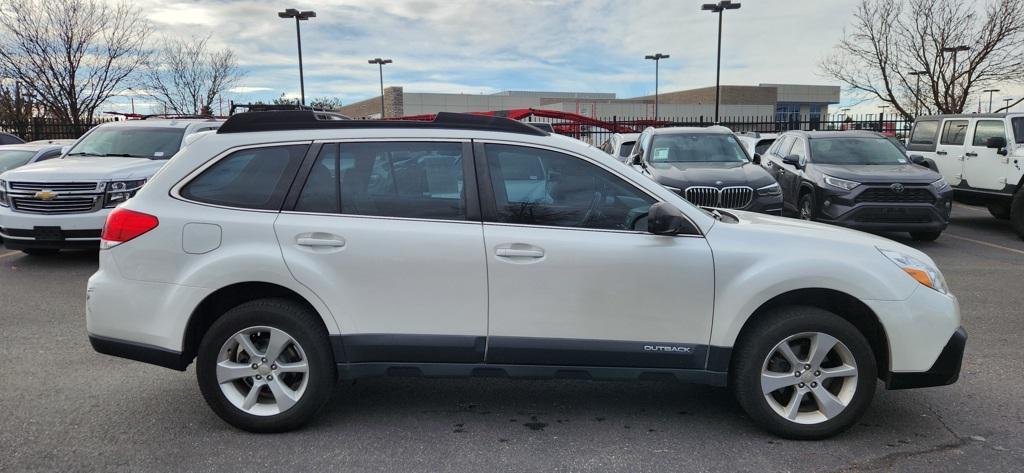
(252, 178)
(924, 132)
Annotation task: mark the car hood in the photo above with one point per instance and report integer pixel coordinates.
(683, 175)
(85, 169)
(887, 173)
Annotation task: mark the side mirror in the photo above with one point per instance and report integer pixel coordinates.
(917, 159)
(757, 158)
(665, 219)
(997, 142)
(792, 160)
(635, 159)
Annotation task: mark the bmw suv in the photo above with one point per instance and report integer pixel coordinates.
(285, 252)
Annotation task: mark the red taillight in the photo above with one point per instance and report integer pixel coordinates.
(123, 225)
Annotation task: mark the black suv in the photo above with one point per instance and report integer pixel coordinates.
(858, 179)
(708, 167)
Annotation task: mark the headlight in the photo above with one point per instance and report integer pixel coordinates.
(769, 190)
(120, 191)
(941, 185)
(917, 269)
(3, 193)
(840, 183)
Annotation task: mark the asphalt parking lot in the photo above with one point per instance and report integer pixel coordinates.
(67, 408)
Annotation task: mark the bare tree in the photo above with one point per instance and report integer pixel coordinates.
(15, 105)
(325, 103)
(71, 54)
(890, 40)
(185, 76)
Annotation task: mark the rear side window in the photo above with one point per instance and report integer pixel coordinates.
(924, 132)
(626, 147)
(401, 179)
(986, 129)
(254, 178)
(954, 132)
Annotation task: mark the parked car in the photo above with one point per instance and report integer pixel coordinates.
(619, 145)
(756, 143)
(980, 155)
(9, 139)
(13, 156)
(62, 203)
(707, 166)
(284, 252)
(859, 179)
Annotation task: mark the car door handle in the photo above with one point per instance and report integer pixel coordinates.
(518, 253)
(970, 155)
(320, 242)
(941, 153)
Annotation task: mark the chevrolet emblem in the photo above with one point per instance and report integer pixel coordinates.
(45, 195)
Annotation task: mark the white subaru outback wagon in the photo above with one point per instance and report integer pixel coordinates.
(284, 252)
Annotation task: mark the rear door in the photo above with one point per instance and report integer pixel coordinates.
(949, 151)
(984, 167)
(573, 277)
(387, 233)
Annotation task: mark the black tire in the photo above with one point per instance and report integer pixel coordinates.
(304, 327)
(759, 341)
(1017, 213)
(925, 236)
(40, 251)
(1000, 210)
(806, 203)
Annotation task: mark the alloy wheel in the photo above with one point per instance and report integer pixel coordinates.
(262, 371)
(809, 378)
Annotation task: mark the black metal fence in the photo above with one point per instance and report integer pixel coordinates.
(44, 129)
(890, 125)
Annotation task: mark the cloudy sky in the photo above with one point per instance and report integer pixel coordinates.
(485, 46)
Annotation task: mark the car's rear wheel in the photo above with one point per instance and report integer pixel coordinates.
(925, 236)
(266, 366)
(1000, 210)
(1017, 213)
(803, 373)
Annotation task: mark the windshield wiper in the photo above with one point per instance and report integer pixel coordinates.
(81, 153)
(124, 155)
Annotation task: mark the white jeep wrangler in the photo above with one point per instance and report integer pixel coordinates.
(980, 155)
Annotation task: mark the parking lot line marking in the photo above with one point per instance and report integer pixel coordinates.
(985, 243)
(9, 253)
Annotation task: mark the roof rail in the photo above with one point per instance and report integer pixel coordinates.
(176, 115)
(307, 120)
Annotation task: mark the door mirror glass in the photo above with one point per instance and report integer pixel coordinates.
(996, 142)
(664, 218)
(792, 160)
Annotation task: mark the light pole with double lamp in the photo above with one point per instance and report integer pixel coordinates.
(719, 8)
(917, 90)
(380, 65)
(299, 16)
(990, 92)
(656, 58)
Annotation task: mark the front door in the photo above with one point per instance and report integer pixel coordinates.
(984, 167)
(384, 233)
(573, 277)
(949, 152)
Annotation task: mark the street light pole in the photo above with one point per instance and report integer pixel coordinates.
(299, 16)
(719, 8)
(990, 92)
(380, 65)
(917, 91)
(954, 50)
(656, 58)
(1006, 108)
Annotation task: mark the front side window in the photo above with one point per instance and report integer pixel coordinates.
(130, 142)
(924, 132)
(785, 144)
(1018, 129)
(254, 178)
(399, 179)
(695, 148)
(953, 132)
(540, 187)
(986, 129)
(856, 151)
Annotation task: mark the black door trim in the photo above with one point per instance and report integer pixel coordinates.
(587, 352)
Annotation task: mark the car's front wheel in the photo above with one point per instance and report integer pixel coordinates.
(803, 373)
(266, 366)
(806, 206)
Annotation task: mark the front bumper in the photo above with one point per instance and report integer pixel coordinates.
(945, 370)
(853, 210)
(63, 231)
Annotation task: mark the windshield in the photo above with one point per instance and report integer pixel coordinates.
(10, 159)
(696, 148)
(856, 151)
(130, 142)
(625, 148)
